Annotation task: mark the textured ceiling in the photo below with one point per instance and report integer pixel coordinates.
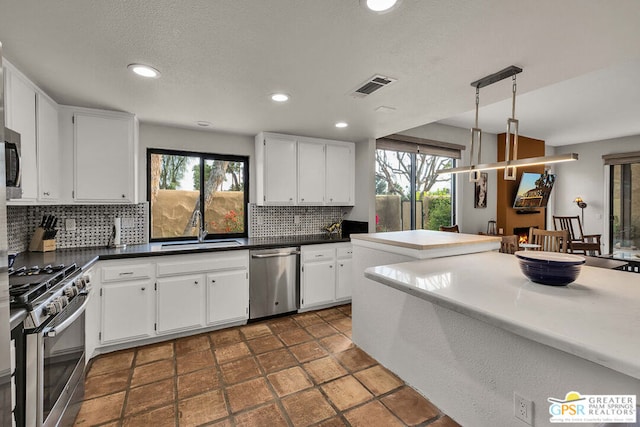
(221, 59)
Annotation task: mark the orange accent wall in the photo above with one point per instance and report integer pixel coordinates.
(507, 217)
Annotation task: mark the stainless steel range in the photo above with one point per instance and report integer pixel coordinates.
(53, 350)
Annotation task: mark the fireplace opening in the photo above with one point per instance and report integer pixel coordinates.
(523, 234)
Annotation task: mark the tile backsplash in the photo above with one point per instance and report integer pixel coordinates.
(268, 221)
(93, 224)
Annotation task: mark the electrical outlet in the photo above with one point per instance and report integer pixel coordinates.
(70, 224)
(296, 219)
(523, 408)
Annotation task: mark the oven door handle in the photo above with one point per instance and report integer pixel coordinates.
(52, 332)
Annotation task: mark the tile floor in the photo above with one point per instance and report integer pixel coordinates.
(299, 370)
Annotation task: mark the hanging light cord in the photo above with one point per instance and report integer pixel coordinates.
(478, 104)
(513, 99)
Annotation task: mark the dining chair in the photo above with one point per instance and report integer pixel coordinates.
(453, 229)
(549, 240)
(588, 244)
(509, 244)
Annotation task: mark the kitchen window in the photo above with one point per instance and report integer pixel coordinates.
(186, 188)
(409, 193)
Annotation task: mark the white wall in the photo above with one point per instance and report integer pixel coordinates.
(586, 178)
(173, 138)
(365, 191)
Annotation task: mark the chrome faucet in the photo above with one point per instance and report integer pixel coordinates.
(202, 229)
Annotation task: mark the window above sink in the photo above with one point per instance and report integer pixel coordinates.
(196, 195)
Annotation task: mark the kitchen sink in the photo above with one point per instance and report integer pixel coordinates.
(173, 246)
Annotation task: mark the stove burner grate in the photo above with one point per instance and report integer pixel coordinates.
(35, 270)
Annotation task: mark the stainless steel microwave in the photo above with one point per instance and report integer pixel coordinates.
(12, 164)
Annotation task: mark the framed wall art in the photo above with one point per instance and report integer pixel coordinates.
(480, 197)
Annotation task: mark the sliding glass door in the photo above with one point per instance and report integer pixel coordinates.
(625, 210)
(409, 193)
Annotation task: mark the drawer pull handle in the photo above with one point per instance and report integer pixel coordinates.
(126, 273)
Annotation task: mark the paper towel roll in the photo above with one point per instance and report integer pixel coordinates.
(117, 226)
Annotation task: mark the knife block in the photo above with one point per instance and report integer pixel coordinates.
(38, 244)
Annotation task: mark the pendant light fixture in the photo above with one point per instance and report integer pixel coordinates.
(510, 171)
(511, 162)
(476, 135)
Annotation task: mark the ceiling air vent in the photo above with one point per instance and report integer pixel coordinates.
(373, 84)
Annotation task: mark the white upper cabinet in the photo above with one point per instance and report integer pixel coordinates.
(105, 152)
(48, 149)
(20, 115)
(311, 172)
(340, 176)
(34, 116)
(276, 167)
(296, 170)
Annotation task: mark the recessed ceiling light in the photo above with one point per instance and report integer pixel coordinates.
(379, 6)
(144, 70)
(342, 124)
(203, 123)
(280, 97)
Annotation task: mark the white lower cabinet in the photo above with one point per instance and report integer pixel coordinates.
(326, 275)
(126, 311)
(179, 303)
(172, 294)
(227, 296)
(344, 278)
(126, 300)
(318, 283)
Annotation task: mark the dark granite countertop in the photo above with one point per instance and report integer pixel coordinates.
(84, 257)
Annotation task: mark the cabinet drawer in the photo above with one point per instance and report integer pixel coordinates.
(345, 252)
(118, 273)
(218, 262)
(318, 255)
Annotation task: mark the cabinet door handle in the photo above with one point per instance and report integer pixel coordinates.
(213, 281)
(331, 266)
(123, 196)
(142, 289)
(302, 200)
(341, 265)
(196, 282)
(46, 193)
(290, 198)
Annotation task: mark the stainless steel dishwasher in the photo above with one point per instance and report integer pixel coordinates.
(274, 283)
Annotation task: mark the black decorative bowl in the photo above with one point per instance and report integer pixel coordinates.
(550, 268)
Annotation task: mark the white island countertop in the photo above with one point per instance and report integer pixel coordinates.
(597, 317)
(422, 244)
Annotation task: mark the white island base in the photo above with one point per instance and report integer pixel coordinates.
(469, 358)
